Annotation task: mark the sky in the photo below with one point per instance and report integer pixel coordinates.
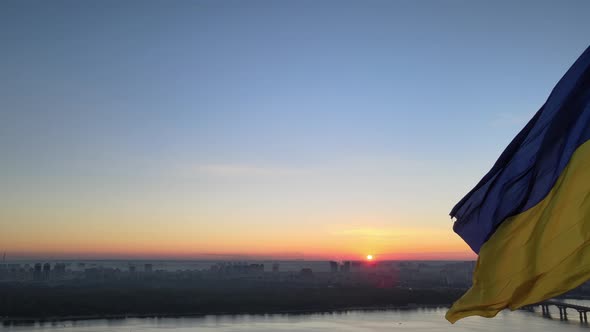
(277, 129)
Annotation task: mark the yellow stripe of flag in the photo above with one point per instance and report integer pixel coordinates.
(537, 254)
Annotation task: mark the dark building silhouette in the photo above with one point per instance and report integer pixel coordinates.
(237, 269)
(3, 271)
(38, 270)
(333, 267)
(59, 270)
(92, 273)
(275, 267)
(345, 267)
(148, 268)
(46, 271)
(256, 268)
(306, 273)
(355, 266)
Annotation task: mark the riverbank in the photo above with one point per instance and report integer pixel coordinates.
(34, 303)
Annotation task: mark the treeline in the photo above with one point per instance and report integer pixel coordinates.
(44, 302)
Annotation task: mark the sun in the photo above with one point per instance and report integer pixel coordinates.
(369, 257)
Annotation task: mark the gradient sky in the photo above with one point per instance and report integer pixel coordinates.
(284, 129)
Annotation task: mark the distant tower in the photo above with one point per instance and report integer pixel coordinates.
(306, 273)
(3, 265)
(148, 268)
(3, 268)
(59, 270)
(345, 267)
(275, 268)
(333, 267)
(46, 271)
(38, 271)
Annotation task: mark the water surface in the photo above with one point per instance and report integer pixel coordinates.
(349, 321)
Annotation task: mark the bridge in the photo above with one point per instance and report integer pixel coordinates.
(582, 310)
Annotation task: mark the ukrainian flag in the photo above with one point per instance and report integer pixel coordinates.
(529, 217)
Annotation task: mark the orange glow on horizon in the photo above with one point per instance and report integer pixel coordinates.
(312, 251)
(233, 255)
(319, 240)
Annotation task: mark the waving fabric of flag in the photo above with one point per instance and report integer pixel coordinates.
(529, 217)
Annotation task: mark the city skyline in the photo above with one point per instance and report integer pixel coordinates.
(299, 130)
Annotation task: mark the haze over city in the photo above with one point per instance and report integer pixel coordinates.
(305, 130)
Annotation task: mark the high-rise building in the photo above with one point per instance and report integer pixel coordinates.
(46, 271)
(148, 268)
(345, 267)
(275, 267)
(59, 270)
(38, 270)
(333, 267)
(3, 271)
(306, 272)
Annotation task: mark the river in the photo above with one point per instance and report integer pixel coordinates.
(357, 321)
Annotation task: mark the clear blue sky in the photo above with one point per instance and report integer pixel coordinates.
(200, 123)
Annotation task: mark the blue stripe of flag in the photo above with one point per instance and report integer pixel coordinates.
(529, 167)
